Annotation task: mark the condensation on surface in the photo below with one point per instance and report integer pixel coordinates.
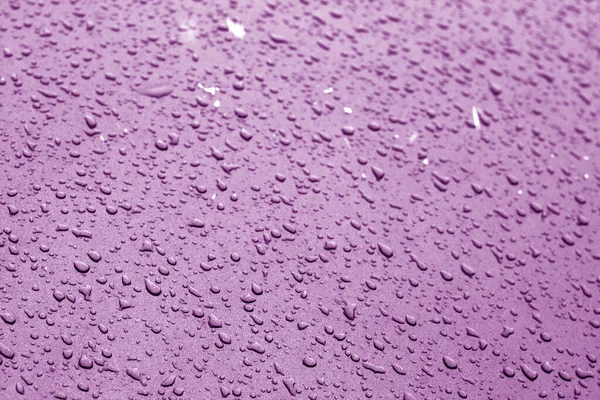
(299, 199)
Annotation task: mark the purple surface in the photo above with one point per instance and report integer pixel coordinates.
(352, 200)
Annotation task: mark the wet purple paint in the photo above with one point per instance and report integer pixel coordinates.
(311, 200)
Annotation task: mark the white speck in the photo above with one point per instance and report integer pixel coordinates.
(586, 158)
(212, 90)
(476, 118)
(328, 90)
(347, 143)
(520, 191)
(363, 176)
(396, 136)
(214, 196)
(236, 28)
(426, 161)
(102, 139)
(347, 110)
(187, 36)
(413, 137)
(188, 31)
(217, 103)
(552, 155)
(586, 176)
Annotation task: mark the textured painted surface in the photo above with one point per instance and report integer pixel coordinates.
(301, 199)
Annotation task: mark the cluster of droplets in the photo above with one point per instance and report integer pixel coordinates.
(279, 200)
